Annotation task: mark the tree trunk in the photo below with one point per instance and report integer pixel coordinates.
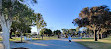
(58, 36)
(5, 24)
(21, 36)
(42, 37)
(0, 6)
(106, 36)
(10, 34)
(15, 35)
(6, 37)
(98, 36)
(101, 35)
(95, 35)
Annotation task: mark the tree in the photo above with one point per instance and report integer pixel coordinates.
(25, 21)
(40, 23)
(20, 27)
(77, 29)
(95, 18)
(89, 32)
(72, 31)
(65, 31)
(9, 10)
(49, 32)
(42, 32)
(57, 32)
(100, 34)
(45, 31)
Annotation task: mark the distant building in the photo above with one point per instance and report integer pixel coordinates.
(34, 33)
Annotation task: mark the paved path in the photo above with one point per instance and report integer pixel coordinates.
(49, 44)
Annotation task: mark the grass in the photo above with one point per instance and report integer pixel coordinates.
(0, 39)
(100, 44)
(14, 39)
(109, 38)
(45, 38)
(82, 38)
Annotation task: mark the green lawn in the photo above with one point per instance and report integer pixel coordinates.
(83, 38)
(109, 38)
(87, 38)
(14, 39)
(100, 44)
(45, 38)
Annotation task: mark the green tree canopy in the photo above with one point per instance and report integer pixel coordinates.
(94, 18)
(72, 31)
(40, 23)
(65, 31)
(46, 31)
(57, 32)
(8, 10)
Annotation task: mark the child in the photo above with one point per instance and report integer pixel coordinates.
(69, 38)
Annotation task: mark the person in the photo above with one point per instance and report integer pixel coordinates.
(69, 38)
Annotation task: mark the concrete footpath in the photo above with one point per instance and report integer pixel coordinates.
(48, 44)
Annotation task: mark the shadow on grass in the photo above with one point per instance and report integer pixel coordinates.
(20, 48)
(95, 45)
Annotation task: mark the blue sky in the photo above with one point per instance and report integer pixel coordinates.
(59, 14)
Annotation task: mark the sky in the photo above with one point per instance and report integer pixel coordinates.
(59, 14)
